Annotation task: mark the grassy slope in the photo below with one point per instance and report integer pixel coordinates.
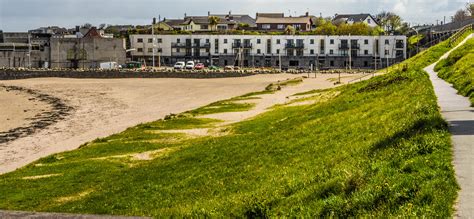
(458, 69)
(380, 147)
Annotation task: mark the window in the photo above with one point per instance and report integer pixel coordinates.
(331, 52)
(208, 50)
(331, 42)
(160, 50)
(387, 42)
(225, 41)
(178, 50)
(331, 63)
(311, 52)
(311, 41)
(178, 40)
(369, 21)
(140, 49)
(150, 40)
(140, 40)
(204, 27)
(278, 41)
(366, 42)
(259, 51)
(207, 41)
(278, 51)
(225, 51)
(281, 26)
(366, 64)
(387, 52)
(150, 50)
(259, 41)
(160, 40)
(366, 52)
(266, 26)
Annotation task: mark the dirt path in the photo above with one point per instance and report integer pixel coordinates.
(105, 107)
(281, 97)
(457, 112)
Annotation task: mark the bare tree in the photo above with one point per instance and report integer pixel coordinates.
(460, 15)
(470, 9)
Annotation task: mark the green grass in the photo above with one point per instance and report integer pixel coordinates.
(458, 69)
(378, 148)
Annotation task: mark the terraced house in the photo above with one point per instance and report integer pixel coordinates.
(285, 51)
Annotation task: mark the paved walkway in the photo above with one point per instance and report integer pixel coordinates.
(457, 112)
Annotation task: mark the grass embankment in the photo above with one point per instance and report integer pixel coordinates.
(458, 69)
(375, 148)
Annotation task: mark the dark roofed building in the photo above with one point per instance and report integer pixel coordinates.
(356, 18)
(273, 23)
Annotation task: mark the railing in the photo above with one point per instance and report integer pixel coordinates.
(190, 45)
(460, 33)
(294, 45)
(242, 45)
(346, 46)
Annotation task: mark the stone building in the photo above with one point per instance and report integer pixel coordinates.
(24, 50)
(87, 51)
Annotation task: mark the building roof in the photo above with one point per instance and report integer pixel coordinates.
(284, 20)
(174, 22)
(271, 15)
(205, 20)
(238, 18)
(353, 17)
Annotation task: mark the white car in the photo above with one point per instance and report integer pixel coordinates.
(179, 65)
(190, 65)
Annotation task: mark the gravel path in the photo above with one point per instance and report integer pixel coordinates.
(457, 112)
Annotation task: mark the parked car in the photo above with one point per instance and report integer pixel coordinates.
(179, 65)
(213, 67)
(109, 65)
(190, 65)
(199, 66)
(229, 68)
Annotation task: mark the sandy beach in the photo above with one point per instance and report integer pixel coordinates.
(101, 107)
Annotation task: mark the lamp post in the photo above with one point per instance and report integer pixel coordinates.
(153, 41)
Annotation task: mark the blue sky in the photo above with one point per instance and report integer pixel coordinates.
(21, 15)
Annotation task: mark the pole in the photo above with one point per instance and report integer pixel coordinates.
(153, 41)
(375, 54)
(279, 60)
(29, 50)
(350, 53)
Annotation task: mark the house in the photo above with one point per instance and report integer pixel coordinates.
(355, 18)
(202, 23)
(287, 51)
(278, 22)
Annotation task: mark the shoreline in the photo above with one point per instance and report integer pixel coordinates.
(58, 111)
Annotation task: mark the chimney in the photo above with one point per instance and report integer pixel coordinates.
(256, 16)
(77, 29)
(230, 13)
(307, 14)
(185, 15)
(209, 13)
(154, 20)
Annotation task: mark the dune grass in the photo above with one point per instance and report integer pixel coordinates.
(378, 148)
(458, 69)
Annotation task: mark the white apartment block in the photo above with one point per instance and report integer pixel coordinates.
(287, 51)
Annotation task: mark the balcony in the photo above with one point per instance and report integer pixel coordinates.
(241, 45)
(294, 45)
(346, 46)
(191, 45)
(400, 45)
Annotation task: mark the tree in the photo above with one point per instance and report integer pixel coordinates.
(470, 9)
(290, 30)
(213, 21)
(87, 26)
(389, 21)
(460, 15)
(102, 26)
(326, 28)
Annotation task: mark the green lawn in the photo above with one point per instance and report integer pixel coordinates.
(378, 148)
(458, 69)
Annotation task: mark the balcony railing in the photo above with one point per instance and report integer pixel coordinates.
(190, 45)
(400, 45)
(346, 46)
(241, 45)
(294, 45)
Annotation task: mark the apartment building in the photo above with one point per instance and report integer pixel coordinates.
(286, 51)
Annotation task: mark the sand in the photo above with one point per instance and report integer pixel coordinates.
(102, 107)
(17, 109)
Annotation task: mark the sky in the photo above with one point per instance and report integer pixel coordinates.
(23, 15)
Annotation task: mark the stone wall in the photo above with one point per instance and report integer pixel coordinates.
(13, 75)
